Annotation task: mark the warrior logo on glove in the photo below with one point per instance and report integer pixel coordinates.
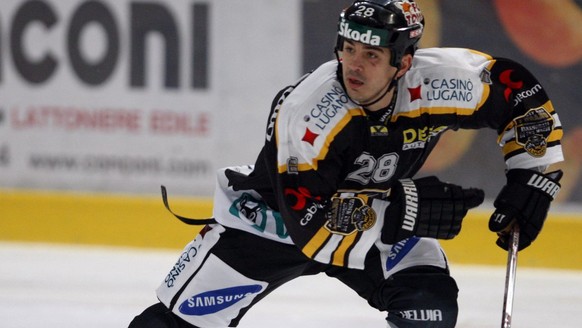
(411, 204)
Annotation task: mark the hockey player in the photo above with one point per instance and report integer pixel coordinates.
(334, 188)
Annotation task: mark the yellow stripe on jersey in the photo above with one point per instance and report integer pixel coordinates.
(434, 111)
(316, 242)
(328, 140)
(512, 145)
(340, 254)
(482, 54)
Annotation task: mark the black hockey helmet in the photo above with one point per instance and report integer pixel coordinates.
(394, 24)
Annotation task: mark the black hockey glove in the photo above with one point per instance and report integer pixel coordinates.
(427, 207)
(525, 199)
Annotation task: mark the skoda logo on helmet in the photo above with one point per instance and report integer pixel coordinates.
(359, 33)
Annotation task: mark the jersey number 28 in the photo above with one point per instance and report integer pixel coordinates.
(372, 169)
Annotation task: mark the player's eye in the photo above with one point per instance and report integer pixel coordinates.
(349, 49)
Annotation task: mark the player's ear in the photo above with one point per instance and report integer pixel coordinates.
(405, 65)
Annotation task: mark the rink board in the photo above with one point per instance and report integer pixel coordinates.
(142, 221)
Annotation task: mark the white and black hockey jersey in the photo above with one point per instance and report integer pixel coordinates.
(320, 143)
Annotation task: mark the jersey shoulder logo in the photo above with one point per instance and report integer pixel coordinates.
(533, 129)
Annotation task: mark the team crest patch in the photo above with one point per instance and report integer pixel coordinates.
(349, 215)
(533, 129)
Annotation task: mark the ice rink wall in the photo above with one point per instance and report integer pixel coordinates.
(101, 102)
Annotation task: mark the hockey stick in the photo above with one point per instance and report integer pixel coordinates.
(510, 277)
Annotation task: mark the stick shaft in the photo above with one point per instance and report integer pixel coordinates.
(510, 275)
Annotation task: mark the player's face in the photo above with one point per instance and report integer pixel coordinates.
(367, 73)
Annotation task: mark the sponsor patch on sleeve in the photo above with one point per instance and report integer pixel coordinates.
(533, 129)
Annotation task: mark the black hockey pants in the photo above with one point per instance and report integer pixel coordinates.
(422, 296)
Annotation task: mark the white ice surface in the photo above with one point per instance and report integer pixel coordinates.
(99, 287)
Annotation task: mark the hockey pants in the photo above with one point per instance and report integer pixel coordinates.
(224, 272)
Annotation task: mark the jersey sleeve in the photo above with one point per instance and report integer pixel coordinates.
(467, 89)
(529, 129)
